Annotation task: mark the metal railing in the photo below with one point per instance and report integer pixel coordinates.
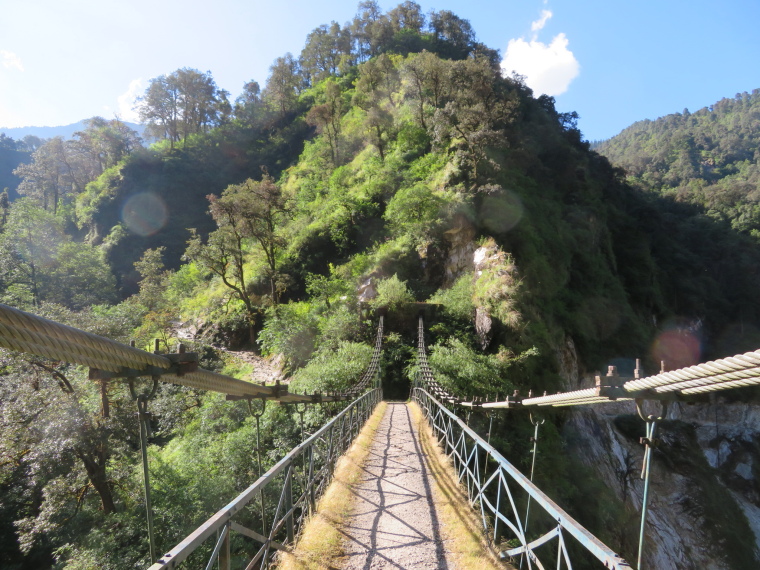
(503, 496)
(298, 480)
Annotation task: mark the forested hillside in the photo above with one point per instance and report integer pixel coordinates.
(709, 158)
(12, 154)
(390, 162)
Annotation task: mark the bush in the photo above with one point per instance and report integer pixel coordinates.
(332, 370)
(392, 294)
(291, 330)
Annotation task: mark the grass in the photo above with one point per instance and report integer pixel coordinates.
(321, 543)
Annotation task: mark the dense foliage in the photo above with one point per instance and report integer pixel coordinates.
(709, 158)
(391, 163)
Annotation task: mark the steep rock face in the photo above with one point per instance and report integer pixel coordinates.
(481, 260)
(703, 508)
(567, 359)
(494, 279)
(461, 247)
(729, 436)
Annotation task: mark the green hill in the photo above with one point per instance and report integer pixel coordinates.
(390, 163)
(709, 158)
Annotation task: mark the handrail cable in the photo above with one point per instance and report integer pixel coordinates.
(24, 332)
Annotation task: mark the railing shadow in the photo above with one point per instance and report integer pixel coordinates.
(392, 500)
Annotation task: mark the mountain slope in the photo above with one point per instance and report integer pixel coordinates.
(709, 158)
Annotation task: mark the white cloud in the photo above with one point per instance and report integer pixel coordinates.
(127, 101)
(541, 22)
(548, 69)
(10, 60)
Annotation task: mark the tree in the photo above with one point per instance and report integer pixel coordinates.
(7, 143)
(474, 119)
(249, 104)
(245, 213)
(181, 104)
(104, 144)
(79, 277)
(454, 37)
(369, 30)
(426, 80)
(283, 85)
(258, 209)
(378, 80)
(153, 275)
(407, 16)
(325, 49)
(327, 116)
(32, 143)
(5, 205)
(379, 123)
(49, 178)
(39, 262)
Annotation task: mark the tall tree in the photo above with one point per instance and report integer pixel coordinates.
(49, 178)
(454, 37)
(101, 145)
(283, 85)
(247, 213)
(407, 16)
(326, 48)
(5, 205)
(249, 104)
(369, 29)
(178, 105)
(427, 81)
(326, 117)
(378, 80)
(479, 108)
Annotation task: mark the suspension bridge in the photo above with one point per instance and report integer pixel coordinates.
(526, 527)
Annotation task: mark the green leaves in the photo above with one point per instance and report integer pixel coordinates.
(40, 263)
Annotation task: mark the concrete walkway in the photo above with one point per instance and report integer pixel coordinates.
(394, 523)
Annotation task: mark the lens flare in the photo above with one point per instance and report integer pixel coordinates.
(502, 212)
(678, 348)
(144, 214)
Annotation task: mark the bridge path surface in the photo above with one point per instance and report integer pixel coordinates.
(394, 523)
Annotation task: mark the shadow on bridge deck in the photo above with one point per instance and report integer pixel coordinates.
(406, 509)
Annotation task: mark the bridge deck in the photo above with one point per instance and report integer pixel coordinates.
(397, 519)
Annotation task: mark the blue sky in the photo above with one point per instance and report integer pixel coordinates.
(613, 62)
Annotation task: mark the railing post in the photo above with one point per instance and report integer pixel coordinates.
(289, 503)
(143, 417)
(310, 483)
(142, 406)
(224, 553)
(649, 442)
(532, 470)
(331, 450)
